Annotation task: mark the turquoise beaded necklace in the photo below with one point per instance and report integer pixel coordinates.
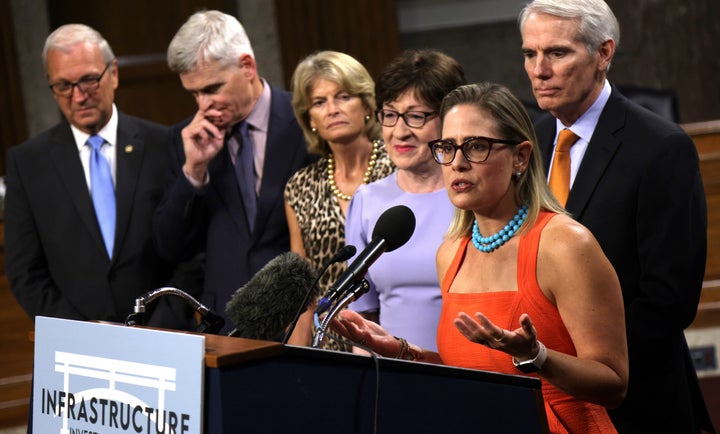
(491, 243)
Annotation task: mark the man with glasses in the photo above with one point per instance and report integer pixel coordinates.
(80, 196)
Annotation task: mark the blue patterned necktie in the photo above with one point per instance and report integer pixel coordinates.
(245, 173)
(102, 192)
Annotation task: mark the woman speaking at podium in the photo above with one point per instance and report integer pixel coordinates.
(526, 289)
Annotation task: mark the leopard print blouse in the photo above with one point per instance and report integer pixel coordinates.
(321, 220)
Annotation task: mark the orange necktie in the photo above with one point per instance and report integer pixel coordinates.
(560, 171)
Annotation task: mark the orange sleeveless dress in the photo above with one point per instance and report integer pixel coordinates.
(565, 413)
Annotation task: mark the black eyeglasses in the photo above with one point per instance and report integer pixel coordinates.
(413, 119)
(86, 85)
(475, 149)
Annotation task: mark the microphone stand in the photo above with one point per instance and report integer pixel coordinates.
(352, 294)
(210, 322)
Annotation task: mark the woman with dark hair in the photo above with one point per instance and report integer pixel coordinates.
(404, 295)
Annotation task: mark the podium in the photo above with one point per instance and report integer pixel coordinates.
(92, 377)
(265, 387)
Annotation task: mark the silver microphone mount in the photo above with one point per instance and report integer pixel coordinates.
(210, 322)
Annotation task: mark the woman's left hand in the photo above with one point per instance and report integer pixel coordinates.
(519, 343)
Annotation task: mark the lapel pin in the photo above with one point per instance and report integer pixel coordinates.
(128, 149)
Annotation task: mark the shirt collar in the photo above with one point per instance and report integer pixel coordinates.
(259, 117)
(108, 132)
(586, 123)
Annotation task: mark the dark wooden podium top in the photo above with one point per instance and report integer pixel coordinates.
(223, 351)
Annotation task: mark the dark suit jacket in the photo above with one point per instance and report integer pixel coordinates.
(639, 191)
(55, 255)
(214, 221)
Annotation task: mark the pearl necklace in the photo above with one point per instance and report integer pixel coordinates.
(488, 244)
(366, 178)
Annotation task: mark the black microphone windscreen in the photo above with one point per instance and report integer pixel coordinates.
(265, 306)
(396, 225)
(346, 252)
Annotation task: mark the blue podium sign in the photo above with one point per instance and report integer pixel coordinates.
(106, 378)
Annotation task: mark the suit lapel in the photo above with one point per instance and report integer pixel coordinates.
(601, 150)
(278, 160)
(65, 156)
(129, 152)
(546, 134)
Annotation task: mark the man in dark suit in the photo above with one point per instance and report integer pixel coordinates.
(64, 257)
(635, 183)
(214, 203)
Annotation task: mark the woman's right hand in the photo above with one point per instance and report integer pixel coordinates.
(351, 325)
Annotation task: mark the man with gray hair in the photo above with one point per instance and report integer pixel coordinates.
(633, 179)
(81, 196)
(230, 160)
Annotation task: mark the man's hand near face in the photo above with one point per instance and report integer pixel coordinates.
(202, 141)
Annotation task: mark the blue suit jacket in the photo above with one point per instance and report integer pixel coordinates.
(214, 221)
(56, 260)
(639, 191)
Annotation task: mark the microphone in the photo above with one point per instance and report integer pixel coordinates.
(343, 254)
(394, 228)
(263, 308)
(210, 322)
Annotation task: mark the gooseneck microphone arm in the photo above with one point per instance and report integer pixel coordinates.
(210, 321)
(352, 294)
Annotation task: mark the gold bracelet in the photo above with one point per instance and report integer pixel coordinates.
(403, 348)
(408, 351)
(414, 353)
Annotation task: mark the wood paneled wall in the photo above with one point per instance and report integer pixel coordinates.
(364, 29)
(707, 140)
(12, 119)
(16, 353)
(139, 32)
(16, 350)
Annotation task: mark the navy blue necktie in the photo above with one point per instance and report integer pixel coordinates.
(102, 192)
(245, 173)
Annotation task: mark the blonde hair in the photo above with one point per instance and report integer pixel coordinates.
(340, 68)
(513, 123)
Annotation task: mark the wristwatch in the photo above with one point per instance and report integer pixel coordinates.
(534, 364)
